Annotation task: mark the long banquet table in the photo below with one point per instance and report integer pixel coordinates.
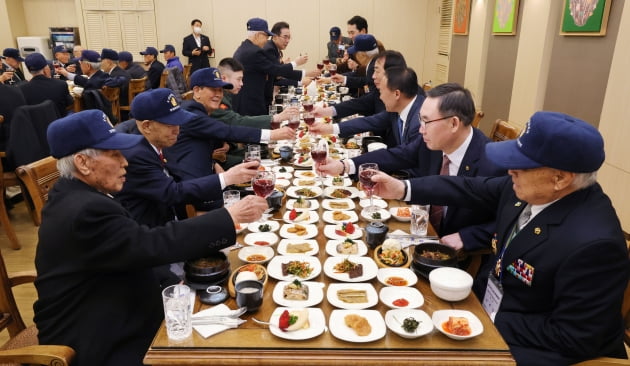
(253, 344)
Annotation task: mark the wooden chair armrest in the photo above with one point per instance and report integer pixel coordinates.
(19, 278)
(39, 355)
(603, 361)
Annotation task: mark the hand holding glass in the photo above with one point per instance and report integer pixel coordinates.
(319, 152)
(263, 184)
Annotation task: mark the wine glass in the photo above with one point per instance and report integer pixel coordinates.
(332, 68)
(10, 69)
(263, 184)
(252, 155)
(319, 152)
(366, 171)
(309, 118)
(308, 105)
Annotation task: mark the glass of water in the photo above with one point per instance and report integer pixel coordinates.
(419, 219)
(177, 311)
(230, 197)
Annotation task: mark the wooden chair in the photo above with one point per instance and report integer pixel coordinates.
(187, 74)
(478, 116)
(22, 346)
(503, 130)
(7, 179)
(163, 78)
(187, 95)
(37, 179)
(113, 95)
(136, 86)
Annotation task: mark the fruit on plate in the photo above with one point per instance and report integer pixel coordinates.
(347, 228)
(293, 320)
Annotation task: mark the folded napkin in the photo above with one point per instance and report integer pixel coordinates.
(212, 329)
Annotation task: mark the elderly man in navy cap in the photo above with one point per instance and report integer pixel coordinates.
(42, 87)
(337, 45)
(11, 67)
(555, 285)
(172, 60)
(258, 68)
(61, 59)
(93, 77)
(118, 77)
(364, 50)
(125, 61)
(155, 67)
(95, 264)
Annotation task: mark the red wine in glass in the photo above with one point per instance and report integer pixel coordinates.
(318, 155)
(326, 61)
(320, 66)
(294, 124)
(263, 187)
(308, 106)
(365, 177)
(333, 72)
(309, 120)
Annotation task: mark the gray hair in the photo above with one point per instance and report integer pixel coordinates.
(251, 33)
(373, 52)
(66, 166)
(94, 65)
(583, 180)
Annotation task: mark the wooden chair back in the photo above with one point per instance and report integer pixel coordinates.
(38, 178)
(503, 130)
(187, 95)
(7, 179)
(163, 78)
(187, 74)
(478, 116)
(136, 86)
(113, 95)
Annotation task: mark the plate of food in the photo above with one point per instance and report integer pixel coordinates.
(257, 269)
(303, 161)
(397, 277)
(302, 217)
(341, 192)
(350, 268)
(255, 254)
(282, 169)
(298, 231)
(306, 192)
(298, 294)
(351, 295)
(262, 239)
(337, 182)
(378, 202)
(338, 216)
(357, 326)
(401, 297)
(344, 204)
(457, 324)
(282, 184)
(302, 204)
(305, 174)
(290, 267)
(391, 254)
(298, 246)
(297, 323)
(343, 231)
(345, 247)
(286, 176)
(378, 215)
(239, 227)
(306, 182)
(408, 323)
(401, 213)
(263, 227)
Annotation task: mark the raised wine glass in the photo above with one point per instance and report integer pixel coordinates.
(263, 184)
(309, 118)
(366, 171)
(319, 152)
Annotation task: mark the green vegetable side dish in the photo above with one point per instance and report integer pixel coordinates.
(264, 227)
(410, 325)
(283, 170)
(376, 215)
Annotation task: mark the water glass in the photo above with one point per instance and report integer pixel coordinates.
(419, 219)
(230, 197)
(177, 311)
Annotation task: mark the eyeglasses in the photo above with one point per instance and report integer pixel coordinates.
(425, 123)
(288, 38)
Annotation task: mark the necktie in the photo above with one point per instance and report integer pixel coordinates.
(162, 158)
(437, 212)
(400, 128)
(524, 217)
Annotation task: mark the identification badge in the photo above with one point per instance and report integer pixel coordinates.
(493, 296)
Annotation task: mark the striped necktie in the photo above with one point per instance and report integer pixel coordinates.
(436, 213)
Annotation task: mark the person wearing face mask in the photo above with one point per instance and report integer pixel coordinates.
(197, 47)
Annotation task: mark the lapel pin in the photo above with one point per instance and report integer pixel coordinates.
(518, 204)
(537, 231)
(467, 168)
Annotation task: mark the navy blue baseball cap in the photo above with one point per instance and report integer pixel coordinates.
(168, 47)
(363, 42)
(108, 53)
(35, 62)
(91, 56)
(553, 140)
(60, 48)
(159, 105)
(13, 53)
(150, 51)
(84, 130)
(258, 24)
(125, 56)
(335, 33)
(208, 76)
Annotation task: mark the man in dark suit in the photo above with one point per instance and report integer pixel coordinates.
(399, 123)
(125, 61)
(197, 47)
(155, 67)
(556, 282)
(119, 77)
(258, 67)
(12, 66)
(61, 59)
(95, 264)
(362, 43)
(10, 100)
(92, 78)
(42, 87)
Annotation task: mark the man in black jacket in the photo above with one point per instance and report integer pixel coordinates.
(155, 67)
(197, 47)
(42, 87)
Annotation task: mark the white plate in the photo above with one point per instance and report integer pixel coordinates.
(328, 217)
(329, 231)
(245, 252)
(315, 294)
(333, 299)
(292, 192)
(274, 268)
(369, 268)
(279, 169)
(306, 163)
(394, 212)
(441, 316)
(305, 174)
(240, 228)
(389, 293)
(254, 227)
(316, 319)
(311, 231)
(395, 317)
(326, 204)
(385, 273)
(376, 201)
(306, 182)
(313, 217)
(385, 215)
(313, 205)
(347, 182)
(282, 183)
(331, 248)
(287, 176)
(340, 330)
(363, 195)
(353, 192)
(252, 238)
(282, 246)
